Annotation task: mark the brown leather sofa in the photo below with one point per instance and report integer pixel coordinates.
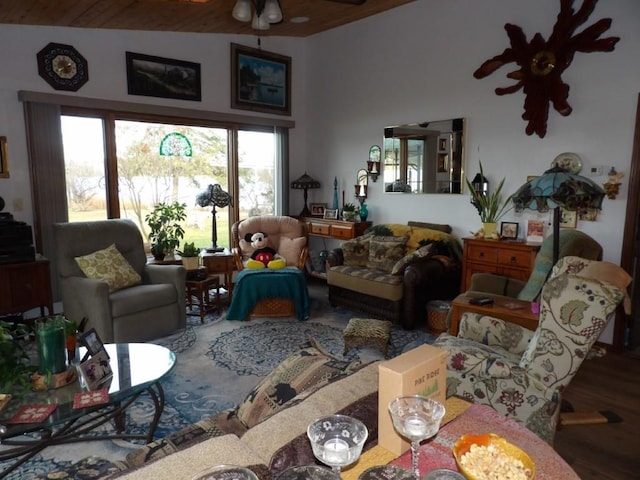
(429, 269)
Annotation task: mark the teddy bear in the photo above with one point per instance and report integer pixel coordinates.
(263, 256)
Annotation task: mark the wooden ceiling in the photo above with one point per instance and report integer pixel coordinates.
(201, 16)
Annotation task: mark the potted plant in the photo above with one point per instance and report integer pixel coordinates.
(165, 222)
(490, 206)
(15, 371)
(190, 256)
(349, 212)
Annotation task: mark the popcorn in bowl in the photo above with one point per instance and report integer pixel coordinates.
(491, 457)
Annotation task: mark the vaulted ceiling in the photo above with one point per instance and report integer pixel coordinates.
(202, 16)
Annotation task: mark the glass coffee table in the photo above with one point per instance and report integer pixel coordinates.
(137, 368)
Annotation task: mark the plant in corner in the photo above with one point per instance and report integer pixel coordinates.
(165, 223)
(490, 207)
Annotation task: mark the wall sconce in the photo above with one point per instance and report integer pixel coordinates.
(361, 186)
(373, 164)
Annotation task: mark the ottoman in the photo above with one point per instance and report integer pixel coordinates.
(367, 332)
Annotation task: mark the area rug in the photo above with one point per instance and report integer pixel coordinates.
(218, 363)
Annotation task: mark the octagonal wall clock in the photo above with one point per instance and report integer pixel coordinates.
(63, 67)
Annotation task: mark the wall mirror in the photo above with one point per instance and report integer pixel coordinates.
(425, 157)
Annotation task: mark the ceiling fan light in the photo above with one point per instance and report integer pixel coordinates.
(242, 11)
(272, 11)
(259, 22)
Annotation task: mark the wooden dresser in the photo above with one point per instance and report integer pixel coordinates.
(24, 286)
(503, 257)
(339, 229)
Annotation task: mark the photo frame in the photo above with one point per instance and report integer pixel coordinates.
(151, 76)
(4, 166)
(509, 230)
(568, 219)
(535, 231)
(317, 209)
(589, 215)
(96, 370)
(260, 80)
(330, 213)
(91, 341)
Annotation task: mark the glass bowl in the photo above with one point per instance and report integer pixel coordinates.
(225, 472)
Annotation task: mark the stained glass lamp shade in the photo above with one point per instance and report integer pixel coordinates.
(305, 182)
(554, 189)
(214, 196)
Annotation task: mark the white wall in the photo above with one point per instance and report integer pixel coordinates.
(414, 63)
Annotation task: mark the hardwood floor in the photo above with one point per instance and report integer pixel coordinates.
(608, 451)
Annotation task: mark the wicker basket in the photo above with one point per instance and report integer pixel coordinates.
(437, 312)
(274, 307)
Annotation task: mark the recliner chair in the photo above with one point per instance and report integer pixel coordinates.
(153, 308)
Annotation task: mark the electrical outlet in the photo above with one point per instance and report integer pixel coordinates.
(596, 171)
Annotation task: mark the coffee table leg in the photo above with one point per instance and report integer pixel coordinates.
(157, 396)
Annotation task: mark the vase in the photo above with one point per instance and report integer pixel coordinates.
(349, 216)
(52, 347)
(364, 212)
(489, 229)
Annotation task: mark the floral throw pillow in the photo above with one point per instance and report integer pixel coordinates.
(109, 266)
(384, 252)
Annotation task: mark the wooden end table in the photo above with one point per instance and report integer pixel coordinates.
(221, 263)
(508, 309)
(200, 289)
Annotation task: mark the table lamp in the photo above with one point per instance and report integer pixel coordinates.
(305, 182)
(214, 196)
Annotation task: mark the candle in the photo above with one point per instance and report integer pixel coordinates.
(361, 194)
(342, 198)
(336, 451)
(51, 346)
(375, 167)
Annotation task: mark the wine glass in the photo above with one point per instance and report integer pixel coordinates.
(416, 418)
(337, 440)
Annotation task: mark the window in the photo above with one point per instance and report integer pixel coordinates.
(115, 168)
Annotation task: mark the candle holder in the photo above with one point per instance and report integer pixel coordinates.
(337, 440)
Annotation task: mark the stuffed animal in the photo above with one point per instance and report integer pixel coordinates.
(263, 256)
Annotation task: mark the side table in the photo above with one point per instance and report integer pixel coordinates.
(201, 290)
(221, 263)
(510, 310)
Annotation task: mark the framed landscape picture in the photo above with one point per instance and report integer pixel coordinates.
(163, 77)
(260, 81)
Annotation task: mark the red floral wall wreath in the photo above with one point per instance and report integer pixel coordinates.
(542, 62)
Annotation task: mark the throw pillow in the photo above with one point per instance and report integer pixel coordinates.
(384, 252)
(423, 253)
(308, 368)
(355, 252)
(109, 266)
(291, 248)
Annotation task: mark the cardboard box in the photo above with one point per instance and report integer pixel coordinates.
(421, 371)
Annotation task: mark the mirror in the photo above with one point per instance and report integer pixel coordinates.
(426, 157)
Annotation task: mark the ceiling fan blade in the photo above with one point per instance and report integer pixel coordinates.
(350, 2)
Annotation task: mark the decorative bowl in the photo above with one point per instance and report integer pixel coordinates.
(225, 472)
(498, 445)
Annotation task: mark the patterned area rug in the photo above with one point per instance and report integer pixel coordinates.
(218, 363)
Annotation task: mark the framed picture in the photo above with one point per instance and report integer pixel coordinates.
(163, 77)
(509, 230)
(317, 209)
(331, 214)
(92, 342)
(96, 370)
(568, 219)
(260, 80)
(535, 231)
(589, 215)
(4, 166)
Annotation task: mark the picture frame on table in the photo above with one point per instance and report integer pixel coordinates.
(151, 76)
(91, 341)
(535, 231)
(96, 370)
(509, 230)
(317, 209)
(330, 214)
(260, 80)
(568, 218)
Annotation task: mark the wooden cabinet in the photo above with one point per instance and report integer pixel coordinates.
(24, 286)
(339, 229)
(509, 258)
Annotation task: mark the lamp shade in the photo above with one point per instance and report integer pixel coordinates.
(305, 182)
(558, 188)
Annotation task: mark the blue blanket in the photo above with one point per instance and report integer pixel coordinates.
(255, 285)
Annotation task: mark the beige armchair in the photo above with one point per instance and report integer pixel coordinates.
(151, 308)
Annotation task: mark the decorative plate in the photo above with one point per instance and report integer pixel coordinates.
(308, 472)
(569, 162)
(226, 472)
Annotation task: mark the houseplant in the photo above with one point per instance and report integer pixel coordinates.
(490, 206)
(349, 212)
(190, 256)
(15, 371)
(166, 228)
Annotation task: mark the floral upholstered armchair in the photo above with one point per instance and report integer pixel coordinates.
(520, 373)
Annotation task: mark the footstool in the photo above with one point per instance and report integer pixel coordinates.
(367, 332)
